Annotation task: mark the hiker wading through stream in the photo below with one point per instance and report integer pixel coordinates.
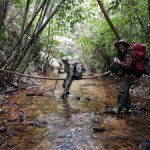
(125, 60)
(69, 70)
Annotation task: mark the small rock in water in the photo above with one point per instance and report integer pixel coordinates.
(77, 98)
(31, 94)
(21, 116)
(1, 111)
(2, 129)
(87, 99)
(99, 129)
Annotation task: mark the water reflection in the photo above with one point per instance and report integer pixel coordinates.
(66, 108)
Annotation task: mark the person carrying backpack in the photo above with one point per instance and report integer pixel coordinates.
(69, 70)
(125, 60)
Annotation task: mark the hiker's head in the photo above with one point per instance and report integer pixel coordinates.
(65, 60)
(122, 45)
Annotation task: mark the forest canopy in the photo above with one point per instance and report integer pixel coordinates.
(85, 29)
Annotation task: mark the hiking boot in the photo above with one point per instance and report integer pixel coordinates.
(63, 96)
(116, 111)
(68, 93)
(129, 111)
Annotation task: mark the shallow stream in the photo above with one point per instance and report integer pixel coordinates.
(50, 125)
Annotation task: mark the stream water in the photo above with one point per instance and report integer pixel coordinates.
(50, 125)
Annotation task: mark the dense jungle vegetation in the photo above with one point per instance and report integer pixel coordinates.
(85, 29)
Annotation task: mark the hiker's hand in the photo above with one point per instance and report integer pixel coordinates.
(116, 60)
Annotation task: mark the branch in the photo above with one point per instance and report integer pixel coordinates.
(49, 78)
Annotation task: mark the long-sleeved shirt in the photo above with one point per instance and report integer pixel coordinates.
(127, 63)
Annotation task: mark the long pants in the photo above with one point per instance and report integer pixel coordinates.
(124, 100)
(66, 84)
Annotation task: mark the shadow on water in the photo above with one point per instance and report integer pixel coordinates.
(50, 124)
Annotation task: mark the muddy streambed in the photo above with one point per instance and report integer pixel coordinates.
(46, 124)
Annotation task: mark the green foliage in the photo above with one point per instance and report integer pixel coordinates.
(2, 34)
(125, 15)
(83, 21)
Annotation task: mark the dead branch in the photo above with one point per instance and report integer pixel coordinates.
(50, 78)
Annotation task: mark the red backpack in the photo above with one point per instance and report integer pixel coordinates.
(139, 51)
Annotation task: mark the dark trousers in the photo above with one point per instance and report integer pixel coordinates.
(66, 84)
(124, 100)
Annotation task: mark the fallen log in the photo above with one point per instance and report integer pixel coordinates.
(50, 78)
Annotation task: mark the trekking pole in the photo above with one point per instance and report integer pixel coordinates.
(56, 83)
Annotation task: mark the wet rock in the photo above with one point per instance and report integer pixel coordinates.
(40, 94)
(87, 99)
(77, 98)
(99, 129)
(21, 116)
(31, 123)
(35, 94)
(3, 129)
(41, 124)
(1, 111)
(1, 103)
(33, 141)
(31, 94)
(97, 121)
(145, 145)
(10, 90)
(2, 100)
(15, 84)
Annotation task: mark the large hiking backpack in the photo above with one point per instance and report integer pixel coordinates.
(141, 61)
(78, 71)
(139, 51)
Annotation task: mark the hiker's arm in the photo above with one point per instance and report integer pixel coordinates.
(126, 63)
(59, 71)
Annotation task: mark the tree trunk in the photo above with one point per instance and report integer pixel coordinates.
(3, 10)
(25, 15)
(108, 19)
(149, 8)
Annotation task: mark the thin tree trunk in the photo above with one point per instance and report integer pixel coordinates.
(130, 19)
(108, 19)
(149, 8)
(36, 5)
(3, 11)
(25, 15)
